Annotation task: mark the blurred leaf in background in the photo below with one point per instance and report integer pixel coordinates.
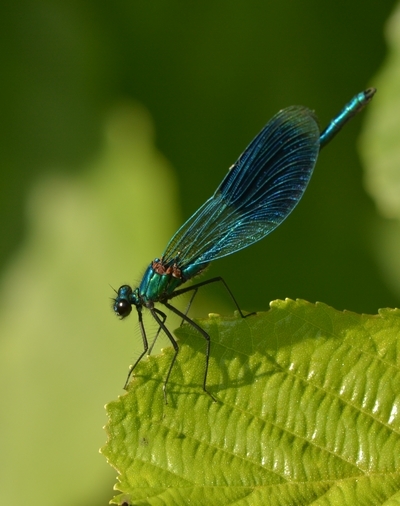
(62, 351)
(79, 211)
(380, 145)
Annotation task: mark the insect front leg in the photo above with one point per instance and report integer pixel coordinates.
(145, 346)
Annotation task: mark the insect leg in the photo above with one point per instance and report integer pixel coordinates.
(189, 304)
(156, 313)
(203, 333)
(164, 318)
(196, 286)
(145, 347)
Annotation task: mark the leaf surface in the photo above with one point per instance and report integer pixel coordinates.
(307, 413)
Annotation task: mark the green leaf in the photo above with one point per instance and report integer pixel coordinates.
(308, 411)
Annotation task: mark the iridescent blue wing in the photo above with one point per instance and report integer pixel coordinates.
(257, 194)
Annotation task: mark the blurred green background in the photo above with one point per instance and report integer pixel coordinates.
(119, 120)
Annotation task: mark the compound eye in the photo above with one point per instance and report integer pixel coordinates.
(123, 308)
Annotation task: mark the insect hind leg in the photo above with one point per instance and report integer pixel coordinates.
(195, 288)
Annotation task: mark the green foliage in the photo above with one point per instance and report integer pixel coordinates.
(307, 412)
(380, 150)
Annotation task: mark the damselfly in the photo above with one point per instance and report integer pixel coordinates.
(256, 195)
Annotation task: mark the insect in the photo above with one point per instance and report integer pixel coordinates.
(256, 195)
